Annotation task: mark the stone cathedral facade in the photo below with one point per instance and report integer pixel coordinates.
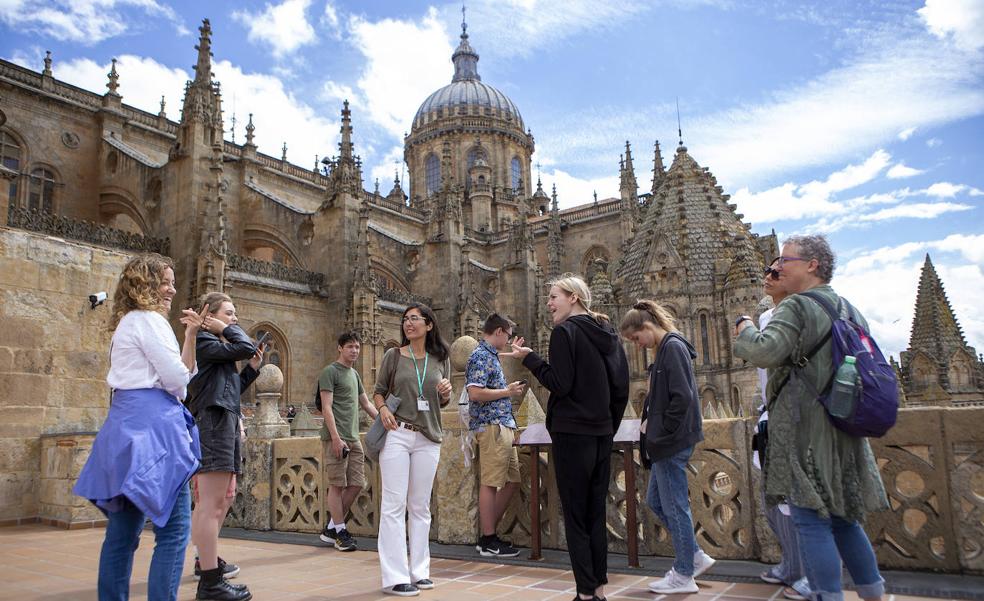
(306, 252)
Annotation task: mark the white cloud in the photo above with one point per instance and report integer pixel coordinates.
(573, 190)
(934, 142)
(329, 18)
(905, 134)
(959, 20)
(901, 170)
(335, 92)
(882, 283)
(406, 61)
(282, 27)
(278, 114)
(386, 167)
(792, 201)
(917, 210)
(948, 190)
(82, 21)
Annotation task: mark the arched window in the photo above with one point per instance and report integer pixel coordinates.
(433, 173)
(10, 157)
(276, 354)
(517, 173)
(41, 192)
(705, 346)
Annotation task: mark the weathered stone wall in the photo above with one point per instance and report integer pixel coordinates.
(53, 359)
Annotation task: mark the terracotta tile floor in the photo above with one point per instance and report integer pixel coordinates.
(44, 563)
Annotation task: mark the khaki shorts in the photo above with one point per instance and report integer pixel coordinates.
(498, 459)
(347, 471)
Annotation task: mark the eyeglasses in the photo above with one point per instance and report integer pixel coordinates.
(782, 260)
(771, 273)
(414, 318)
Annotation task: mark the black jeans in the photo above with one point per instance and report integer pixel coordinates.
(583, 466)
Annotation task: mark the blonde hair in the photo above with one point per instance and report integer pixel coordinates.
(139, 286)
(643, 312)
(574, 285)
(214, 300)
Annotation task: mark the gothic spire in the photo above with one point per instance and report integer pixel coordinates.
(465, 58)
(628, 185)
(934, 326)
(114, 80)
(659, 170)
(203, 67)
(250, 129)
(345, 146)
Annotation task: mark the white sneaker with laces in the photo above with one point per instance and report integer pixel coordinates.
(674, 583)
(702, 562)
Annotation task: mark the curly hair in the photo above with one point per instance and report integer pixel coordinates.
(816, 247)
(139, 286)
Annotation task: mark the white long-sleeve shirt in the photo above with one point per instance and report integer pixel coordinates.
(145, 354)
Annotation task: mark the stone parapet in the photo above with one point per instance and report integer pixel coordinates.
(62, 459)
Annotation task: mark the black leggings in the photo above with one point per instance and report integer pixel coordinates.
(583, 466)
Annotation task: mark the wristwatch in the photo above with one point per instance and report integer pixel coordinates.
(742, 318)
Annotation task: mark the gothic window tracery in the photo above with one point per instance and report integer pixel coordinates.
(41, 191)
(517, 173)
(277, 353)
(432, 167)
(10, 157)
(705, 345)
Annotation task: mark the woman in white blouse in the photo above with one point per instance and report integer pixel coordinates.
(147, 449)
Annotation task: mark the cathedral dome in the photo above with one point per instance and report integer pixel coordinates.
(467, 94)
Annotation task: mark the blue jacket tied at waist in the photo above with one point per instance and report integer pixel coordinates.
(147, 449)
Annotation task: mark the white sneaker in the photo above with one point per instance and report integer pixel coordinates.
(674, 583)
(702, 562)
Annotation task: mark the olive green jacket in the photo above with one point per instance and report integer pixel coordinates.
(809, 462)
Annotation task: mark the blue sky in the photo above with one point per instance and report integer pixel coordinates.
(856, 118)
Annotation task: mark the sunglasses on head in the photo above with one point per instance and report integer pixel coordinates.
(772, 273)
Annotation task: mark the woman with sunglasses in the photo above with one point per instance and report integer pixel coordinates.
(418, 374)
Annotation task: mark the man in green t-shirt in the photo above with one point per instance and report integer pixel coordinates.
(341, 392)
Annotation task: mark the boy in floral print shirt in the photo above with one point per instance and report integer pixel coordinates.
(492, 420)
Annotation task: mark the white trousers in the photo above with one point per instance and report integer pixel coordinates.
(407, 464)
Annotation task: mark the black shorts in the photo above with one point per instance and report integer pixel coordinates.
(218, 430)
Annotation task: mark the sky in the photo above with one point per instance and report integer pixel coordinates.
(858, 119)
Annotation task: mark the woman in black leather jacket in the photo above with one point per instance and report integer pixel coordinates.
(214, 401)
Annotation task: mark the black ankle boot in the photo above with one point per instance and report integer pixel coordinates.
(213, 587)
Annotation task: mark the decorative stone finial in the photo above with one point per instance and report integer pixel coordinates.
(461, 350)
(47, 63)
(250, 128)
(162, 114)
(270, 380)
(283, 157)
(114, 80)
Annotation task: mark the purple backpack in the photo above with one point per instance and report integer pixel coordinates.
(877, 404)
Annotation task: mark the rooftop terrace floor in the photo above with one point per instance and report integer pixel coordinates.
(44, 563)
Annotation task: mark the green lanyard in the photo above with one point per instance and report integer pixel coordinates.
(420, 378)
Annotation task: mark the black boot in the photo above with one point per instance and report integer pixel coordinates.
(213, 587)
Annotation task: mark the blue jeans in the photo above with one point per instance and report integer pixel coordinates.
(122, 540)
(668, 496)
(824, 542)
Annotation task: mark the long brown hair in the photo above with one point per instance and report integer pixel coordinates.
(214, 300)
(643, 312)
(434, 343)
(139, 286)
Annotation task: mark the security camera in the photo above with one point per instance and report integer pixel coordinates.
(97, 299)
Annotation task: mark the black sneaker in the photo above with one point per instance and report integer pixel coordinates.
(402, 590)
(328, 535)
(229, 570)
(344, 541)
(425, 584)
(222, 591)
(493, 547)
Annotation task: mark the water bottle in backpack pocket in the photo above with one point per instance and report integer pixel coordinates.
(845, 390)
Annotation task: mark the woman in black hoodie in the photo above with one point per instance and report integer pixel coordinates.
(588, 380)
(671, 426)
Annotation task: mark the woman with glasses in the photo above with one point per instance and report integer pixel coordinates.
(418, 374)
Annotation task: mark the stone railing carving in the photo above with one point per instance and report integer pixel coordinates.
(932, 464)
(276, 271)
(84, 231)
(402, 297)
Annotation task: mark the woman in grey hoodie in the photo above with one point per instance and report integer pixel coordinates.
(671, 427)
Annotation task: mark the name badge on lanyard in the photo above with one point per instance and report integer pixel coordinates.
(422, 403)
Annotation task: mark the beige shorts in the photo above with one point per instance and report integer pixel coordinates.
(347, 471)
(497, 458)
